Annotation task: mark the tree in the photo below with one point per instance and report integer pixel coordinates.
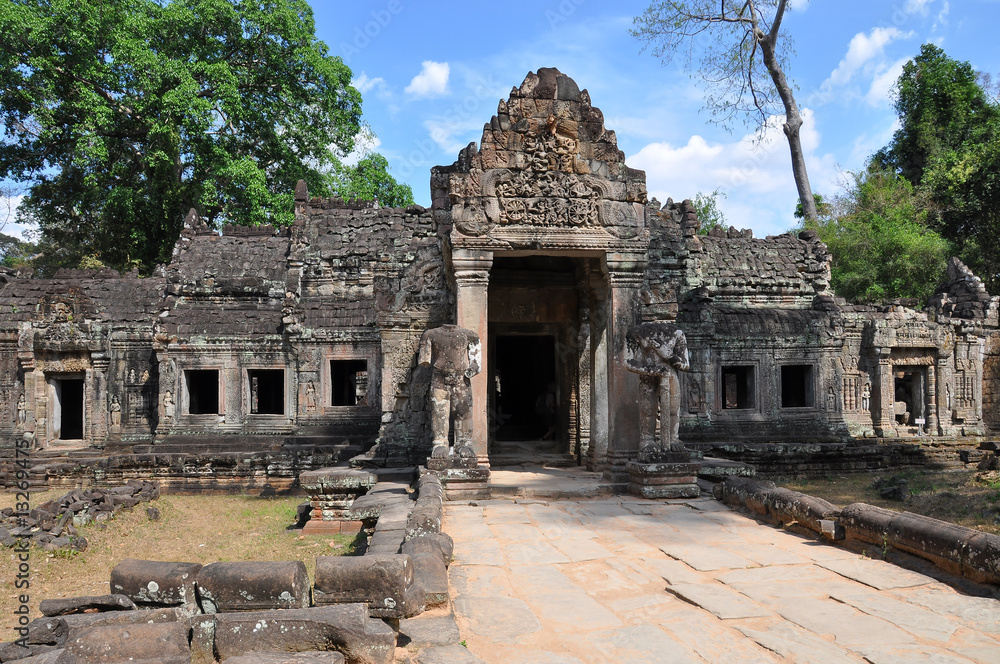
(941, 108)
(965, 186)
(709, 214)
(743, 62)
(123, 114)
(14, 252)
(370, 180)
(881, 245)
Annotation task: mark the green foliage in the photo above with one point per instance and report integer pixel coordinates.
(965, 186)
(709, 214)
(881, 245)
(14, 252)
(822, 207)
(370, 180)
(941, 109)
(123, 114)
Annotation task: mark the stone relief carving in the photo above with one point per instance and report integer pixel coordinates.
(454, 355)
(657, 351)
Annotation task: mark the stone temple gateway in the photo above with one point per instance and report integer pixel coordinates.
(541, 240)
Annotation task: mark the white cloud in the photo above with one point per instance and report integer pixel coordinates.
(365, 142)
(8, 212)
(363, 83)
(432, 81)
(756, 176)
(863, 50)
(449, 133)
(879, 94)
(917, 6)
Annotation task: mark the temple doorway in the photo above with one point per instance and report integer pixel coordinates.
(524, 385)
(67, 408)
(908, 397)
(533, 357)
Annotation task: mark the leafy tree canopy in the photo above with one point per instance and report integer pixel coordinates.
(881, 245)
(709, 214)
(941, 108)
(369, 180)
(123, 114)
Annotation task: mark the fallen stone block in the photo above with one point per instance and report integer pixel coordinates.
(61, 607)
(288, 658)
(439, 543)
(47, 631)
(787, 506)
(431, 575)
(744, 492)
(151, 583)
(383, 582)
(162, 643)
(982, 558)
(346, 628)
(253, 586)
(80, 622)
(48, 657)
(940, 542)
(866, 523)
(10, 652)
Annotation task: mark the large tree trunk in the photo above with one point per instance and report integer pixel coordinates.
(793, 120)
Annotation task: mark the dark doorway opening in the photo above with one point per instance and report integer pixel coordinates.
(737, 387)
(69, 395)
(267, 391)
(202, 391)
(796, 386)
(908, 398)
(525, 387)
(349, 382)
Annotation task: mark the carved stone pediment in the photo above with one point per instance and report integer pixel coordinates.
(546, 165)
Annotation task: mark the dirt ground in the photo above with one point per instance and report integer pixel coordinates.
(968, 498)
(201, 529)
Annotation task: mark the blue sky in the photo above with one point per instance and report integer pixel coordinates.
(432, 73)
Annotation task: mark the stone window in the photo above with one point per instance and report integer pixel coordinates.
(348, 382)
(267, 391)
(738, 388)
(797, 386)
(202, 386)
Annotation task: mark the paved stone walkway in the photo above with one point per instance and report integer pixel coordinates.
(627, 580)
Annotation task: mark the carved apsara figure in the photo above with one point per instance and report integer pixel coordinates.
(657, 351)
(22, 410)
(454, 355)
(116, 411)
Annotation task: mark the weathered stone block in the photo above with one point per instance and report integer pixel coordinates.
(158, 643)
(439, 543)
(939, 541)
(982, 558)
(153, 583)
(383, 582)
(431, 574)
(663, 480)
(866, 523)
(288, 658)
(253, 586)
(60, 607)
(787, 506)
(346, 628)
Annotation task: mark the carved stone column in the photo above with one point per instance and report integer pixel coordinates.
(884, 395)
(625, 275)
(99, 399)
(598, 453)
(942, 378)
(472, 278)
(931, 400)
(583, 384)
